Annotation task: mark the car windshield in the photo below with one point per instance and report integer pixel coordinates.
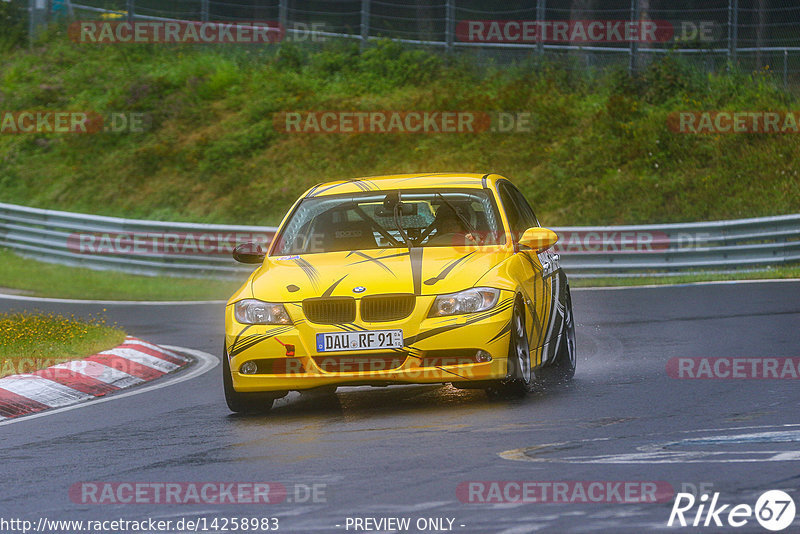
(391, 219)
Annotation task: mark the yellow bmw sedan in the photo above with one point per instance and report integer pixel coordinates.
(418, 278)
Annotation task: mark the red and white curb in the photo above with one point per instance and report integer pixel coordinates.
(132, 363)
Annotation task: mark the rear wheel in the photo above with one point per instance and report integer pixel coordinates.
(243, 402)
(519, 380)
(563, 367)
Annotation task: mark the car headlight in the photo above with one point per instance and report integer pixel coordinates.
(252, 311)
(469, 301)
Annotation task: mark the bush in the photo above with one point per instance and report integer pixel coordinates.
(12, 24)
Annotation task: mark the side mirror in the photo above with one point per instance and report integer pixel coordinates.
(538, 238)
(249, 253)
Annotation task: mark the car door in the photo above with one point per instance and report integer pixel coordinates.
(551, 281)
(520, 218)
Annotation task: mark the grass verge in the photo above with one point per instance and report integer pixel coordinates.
(30, 277)
(32, 341)
(769, 274)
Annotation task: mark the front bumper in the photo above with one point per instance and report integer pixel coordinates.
(436, 350)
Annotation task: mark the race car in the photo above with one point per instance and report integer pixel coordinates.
(403, 279)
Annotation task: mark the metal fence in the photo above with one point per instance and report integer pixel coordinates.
(186, 249)
(755, 34)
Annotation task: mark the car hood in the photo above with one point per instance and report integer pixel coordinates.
(423, 271)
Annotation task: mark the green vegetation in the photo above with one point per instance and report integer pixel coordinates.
(32, 341)
(12, 26)
(600, 151)
(29, 277)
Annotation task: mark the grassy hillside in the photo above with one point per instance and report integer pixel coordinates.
(600, 151)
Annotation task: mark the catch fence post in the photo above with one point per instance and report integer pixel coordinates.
(364, 23)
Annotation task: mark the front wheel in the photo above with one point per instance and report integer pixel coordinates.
(519, 380)
(243, 402)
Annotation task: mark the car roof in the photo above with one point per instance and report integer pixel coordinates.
(437, 180)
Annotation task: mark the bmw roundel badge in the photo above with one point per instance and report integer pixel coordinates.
(359, 289)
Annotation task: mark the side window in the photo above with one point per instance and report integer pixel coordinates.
(519, 212)
(525, 209)
(511, 209)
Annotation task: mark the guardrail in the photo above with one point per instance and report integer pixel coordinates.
(674, 249)
(188, 249)
(128, 245)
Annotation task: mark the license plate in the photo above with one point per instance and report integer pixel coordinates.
(368, 340)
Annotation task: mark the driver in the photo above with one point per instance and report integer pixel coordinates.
(449, 227)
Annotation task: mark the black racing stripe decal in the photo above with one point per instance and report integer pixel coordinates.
(532, 308)
(372, 185)
(358, 183)
(329, 291)
(553, 307)
(483, 180)
(410, 351)
(451, 372)
(501, 260)
(535, 267)
(435, 331)
(251, 341)
(350, 327)
(320, 191)
(309, 269)
(505, 330)
(416, 269)
(246, 343)
(506, 304)
(442, 275)
(367, 258)
(311, 193)
(236, 339)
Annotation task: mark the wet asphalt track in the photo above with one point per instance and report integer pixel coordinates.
(402, 451)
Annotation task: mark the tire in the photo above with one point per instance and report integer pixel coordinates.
(243, 402)
(519, 381)
(563, 367)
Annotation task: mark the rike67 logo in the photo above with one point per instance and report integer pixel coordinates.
(774, 510)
